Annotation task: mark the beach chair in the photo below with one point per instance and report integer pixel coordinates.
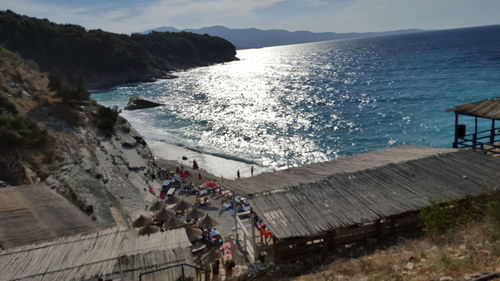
(202, 202)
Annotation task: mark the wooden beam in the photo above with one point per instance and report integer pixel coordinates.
(456, 136)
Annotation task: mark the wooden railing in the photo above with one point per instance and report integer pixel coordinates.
(483, 140)
(245, 239)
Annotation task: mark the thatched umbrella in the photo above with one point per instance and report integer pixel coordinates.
(172, 200)
(164, 215)
(182, 206)
(173, 223)
(207, 222)
(194, 213)
(142, 221)
(158, 205)
(149, 229)
(194, 234)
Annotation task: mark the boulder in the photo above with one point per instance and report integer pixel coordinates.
(135, 103)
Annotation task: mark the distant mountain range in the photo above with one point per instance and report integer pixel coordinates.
(256, 38)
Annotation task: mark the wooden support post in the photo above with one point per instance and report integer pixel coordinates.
(255, 253)
(378, 230)
(235, 220)
(455, 143)
(474, 139)
(492, 134)
(275, 250)
(332, 245)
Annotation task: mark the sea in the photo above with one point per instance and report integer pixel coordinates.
(286, 106)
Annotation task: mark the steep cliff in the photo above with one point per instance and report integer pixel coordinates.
(104, 170)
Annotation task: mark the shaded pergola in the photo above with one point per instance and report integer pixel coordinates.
(488, 140)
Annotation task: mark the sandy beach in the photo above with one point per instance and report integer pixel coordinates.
(219, 167)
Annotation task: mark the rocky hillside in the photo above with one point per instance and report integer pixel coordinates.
(105, 59)
(61, 137)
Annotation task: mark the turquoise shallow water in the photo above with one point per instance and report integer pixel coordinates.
(290, 105)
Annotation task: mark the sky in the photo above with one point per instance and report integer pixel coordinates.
(126, 16)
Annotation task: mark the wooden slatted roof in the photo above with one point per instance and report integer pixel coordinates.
(318, 171)
(34, 213)
(116, 253)
(488, 108)
(346, 199)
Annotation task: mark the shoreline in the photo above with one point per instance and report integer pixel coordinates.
(219, 167)
(96, 87)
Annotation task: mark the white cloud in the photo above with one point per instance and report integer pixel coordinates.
(317, 15)
(190, 13)
(379, 15)
(179, 13)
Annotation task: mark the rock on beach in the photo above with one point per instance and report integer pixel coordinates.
(136, 102)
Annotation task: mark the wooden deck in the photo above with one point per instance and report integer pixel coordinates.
(495, 149)
(35, 213)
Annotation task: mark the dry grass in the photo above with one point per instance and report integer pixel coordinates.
(465, 251)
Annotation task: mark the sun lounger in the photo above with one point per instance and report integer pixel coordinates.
(170, 191)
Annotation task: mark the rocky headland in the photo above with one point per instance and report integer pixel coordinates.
(103, 59)
(70, 145)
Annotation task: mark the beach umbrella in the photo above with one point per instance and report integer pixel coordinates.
(194, 234)
(149, 229)
(164, 215)
(142, 221)
(194, 213)
(211, 184)
(172, 200)
(207, 222)
(158, 205)
(173, 223)
(182, 206)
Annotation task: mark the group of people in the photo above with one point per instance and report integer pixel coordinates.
(262, 228)
(238, 175)
(211, 237)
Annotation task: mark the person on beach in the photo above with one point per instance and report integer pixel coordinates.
(238, 173)
(251, 171)
(195, 165)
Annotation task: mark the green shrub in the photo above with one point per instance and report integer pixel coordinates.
(455, 263)
(55, 81)
(80, 92)
(106, 119)
(441, 216)
(17, 131)
(58, 84)
(493, 217)
(6, 106)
